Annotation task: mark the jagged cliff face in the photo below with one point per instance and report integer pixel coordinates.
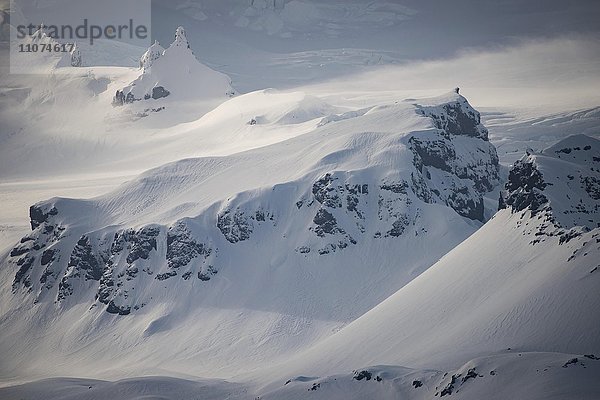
(78, 249)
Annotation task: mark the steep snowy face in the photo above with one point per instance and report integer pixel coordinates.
(288, 227)
(174, 71)
(562, 182)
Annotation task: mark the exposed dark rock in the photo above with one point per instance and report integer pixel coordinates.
(466, 205)
(64, 289)
(83, 259)
(364, 374)
(471, 374)
(456, 119)
(38, 216)
(131, 272)
(399, 226)
(524, 187)
(166, 275)
(48, 256)
(45, 275)
(182, 248)
(325, 192)
(447, 390)
(19, 251)
(420, 188)
(566, 150)
(572, 361)
(567, 236)
(235, 227)
(159, 92)
(142, 243)
(417, 384)
(203, 277)
(21, 276)
(112, 308)
(121, 98)
(433, 153)
(325, 223)
(395, 187)
(106, 287)
(303, 249)
(591, 185)
(524, 175)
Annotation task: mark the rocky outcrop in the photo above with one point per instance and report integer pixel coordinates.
(38, 215)
(456, 118)
(183, 248)
(446, 172)
(562, 184)
(524, 188)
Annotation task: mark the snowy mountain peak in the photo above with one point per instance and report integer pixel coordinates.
(174, 71)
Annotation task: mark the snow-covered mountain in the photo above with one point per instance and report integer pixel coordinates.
(313, 235)
(198, 234)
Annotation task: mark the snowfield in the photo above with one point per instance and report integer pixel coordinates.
(256, 210)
